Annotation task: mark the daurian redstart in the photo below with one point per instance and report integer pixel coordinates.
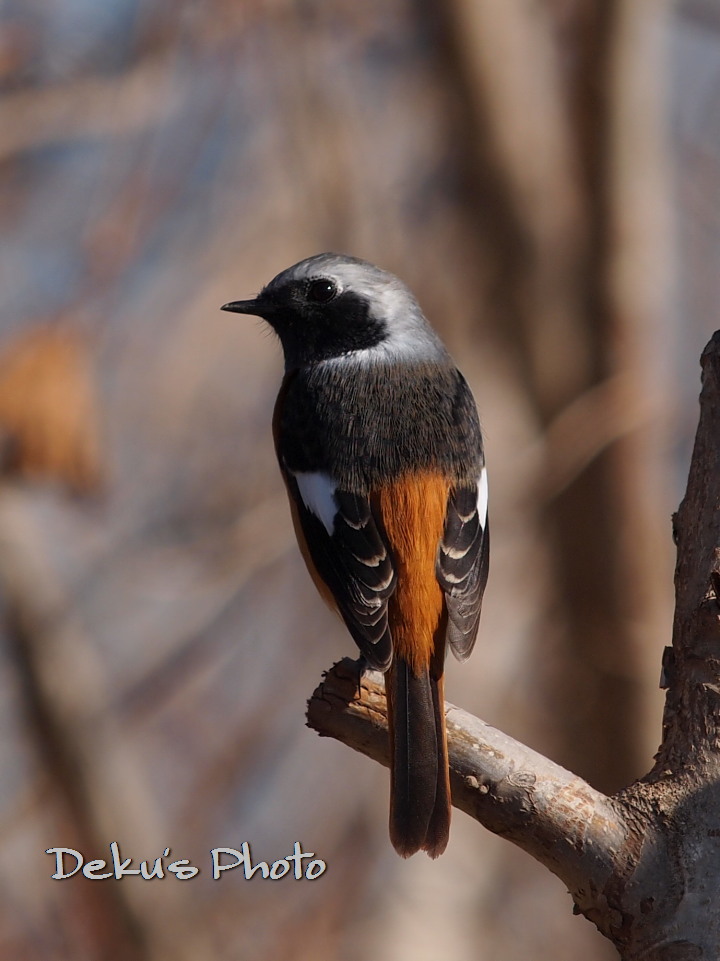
(378, 441)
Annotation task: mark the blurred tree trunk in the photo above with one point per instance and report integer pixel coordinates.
(574, 241)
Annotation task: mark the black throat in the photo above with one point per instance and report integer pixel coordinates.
(313, 333)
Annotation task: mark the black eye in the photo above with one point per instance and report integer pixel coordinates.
(321, 291)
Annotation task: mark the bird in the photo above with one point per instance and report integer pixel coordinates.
(379, 444)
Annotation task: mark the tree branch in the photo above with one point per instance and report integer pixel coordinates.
(643, 865)
(692, 665)
(511, 789)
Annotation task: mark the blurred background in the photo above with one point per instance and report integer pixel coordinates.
(545, 176)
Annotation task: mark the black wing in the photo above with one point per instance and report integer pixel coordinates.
(462, 567)
(355, 563)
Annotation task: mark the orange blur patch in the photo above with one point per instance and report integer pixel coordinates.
(49, 408)
(413, 511)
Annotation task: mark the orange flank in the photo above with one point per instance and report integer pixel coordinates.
(412, 511)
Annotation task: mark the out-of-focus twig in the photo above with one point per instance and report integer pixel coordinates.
(91, 107)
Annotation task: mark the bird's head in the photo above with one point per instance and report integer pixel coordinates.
(331, 306)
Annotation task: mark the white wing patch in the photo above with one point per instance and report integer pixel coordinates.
(318, 494)
(482, 499)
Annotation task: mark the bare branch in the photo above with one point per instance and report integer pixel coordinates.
(515, 792)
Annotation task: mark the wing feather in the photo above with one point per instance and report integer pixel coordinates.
(352, 559)
(462, 564)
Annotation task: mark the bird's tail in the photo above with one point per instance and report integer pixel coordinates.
(419, 776)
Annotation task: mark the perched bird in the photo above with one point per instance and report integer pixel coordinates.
(378, 440)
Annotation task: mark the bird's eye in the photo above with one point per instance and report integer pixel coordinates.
(321, 291)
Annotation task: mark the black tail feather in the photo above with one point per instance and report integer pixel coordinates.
(419, 790)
